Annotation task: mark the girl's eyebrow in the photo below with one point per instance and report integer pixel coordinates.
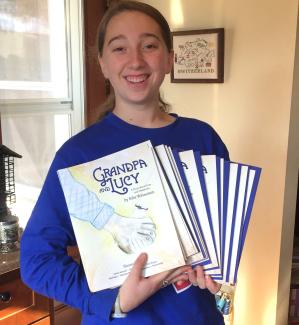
(121, 36)
(118, 37)
(144, 35)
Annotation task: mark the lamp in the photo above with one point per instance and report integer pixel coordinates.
(9, 223)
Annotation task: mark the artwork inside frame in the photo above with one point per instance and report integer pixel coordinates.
(198, 56)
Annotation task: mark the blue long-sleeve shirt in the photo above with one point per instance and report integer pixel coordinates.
(45, 265)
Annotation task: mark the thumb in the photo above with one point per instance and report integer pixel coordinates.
(138, 265)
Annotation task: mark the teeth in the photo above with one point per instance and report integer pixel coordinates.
(136, 79)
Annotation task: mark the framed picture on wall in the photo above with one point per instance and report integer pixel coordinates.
(198, 56)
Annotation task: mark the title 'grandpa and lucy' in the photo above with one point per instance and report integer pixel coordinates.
(120, 185)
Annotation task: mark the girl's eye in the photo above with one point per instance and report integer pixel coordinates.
(119, 49)
(150, 46)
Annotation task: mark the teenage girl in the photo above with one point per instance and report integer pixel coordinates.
(135, 54)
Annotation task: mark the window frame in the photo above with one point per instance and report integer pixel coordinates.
(74, 106)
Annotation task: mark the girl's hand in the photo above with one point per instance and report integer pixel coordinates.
(197, 277)
(136, 288)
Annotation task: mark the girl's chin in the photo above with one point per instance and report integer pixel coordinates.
(139, 100)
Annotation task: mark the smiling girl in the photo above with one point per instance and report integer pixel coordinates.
(135, 54)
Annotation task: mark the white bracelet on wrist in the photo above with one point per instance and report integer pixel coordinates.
(117, 313)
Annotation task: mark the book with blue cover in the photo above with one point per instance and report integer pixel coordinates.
(198, 251)
(170, 178)
(222, 194)
(195, 181)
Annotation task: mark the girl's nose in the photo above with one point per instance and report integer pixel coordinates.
(136, 59)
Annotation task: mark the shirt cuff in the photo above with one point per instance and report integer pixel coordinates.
(101, 303)
(103, 216)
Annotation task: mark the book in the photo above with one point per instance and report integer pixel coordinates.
(180, 207)
(191, 239)
(194, 177)
(119, 208)
(222, 194)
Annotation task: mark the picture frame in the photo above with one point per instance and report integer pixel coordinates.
(198, 56)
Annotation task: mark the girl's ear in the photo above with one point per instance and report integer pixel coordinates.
(170, 61)
(103, 66)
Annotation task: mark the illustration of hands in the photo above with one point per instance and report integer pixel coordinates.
(132, 235)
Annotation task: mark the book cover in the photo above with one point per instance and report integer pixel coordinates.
(237, 218)
(118, 209)
(196, 183)
(251, 188)
(230, 203)
(224, 195)
(210, 165)
(173, 194)
(179, 166)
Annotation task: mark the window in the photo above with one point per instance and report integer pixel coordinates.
(34, 58)
(41, 87)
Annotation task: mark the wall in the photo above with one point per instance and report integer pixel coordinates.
(290, 188)
(251, 111)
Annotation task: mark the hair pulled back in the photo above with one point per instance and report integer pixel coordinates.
(115, 8)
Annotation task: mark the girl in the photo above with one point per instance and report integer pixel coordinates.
(135, 54)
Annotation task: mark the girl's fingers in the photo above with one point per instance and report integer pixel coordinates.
(182, 271)
(200, 277)
(181, 277)
(185, 273)
(192, 277)
(211, 285)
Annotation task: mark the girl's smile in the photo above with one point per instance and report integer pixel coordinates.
(136, 79)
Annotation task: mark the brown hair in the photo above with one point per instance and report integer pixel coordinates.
(115, 8)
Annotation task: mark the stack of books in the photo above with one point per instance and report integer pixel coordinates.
(180, 207)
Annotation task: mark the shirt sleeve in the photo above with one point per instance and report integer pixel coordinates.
(82, 203)
(45, 265)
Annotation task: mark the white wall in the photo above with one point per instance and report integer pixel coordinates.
(251, 111)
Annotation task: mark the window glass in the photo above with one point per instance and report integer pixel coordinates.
(33, 51)
(36, 138)
(41, 60)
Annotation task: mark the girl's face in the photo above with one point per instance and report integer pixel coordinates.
(135, 58)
